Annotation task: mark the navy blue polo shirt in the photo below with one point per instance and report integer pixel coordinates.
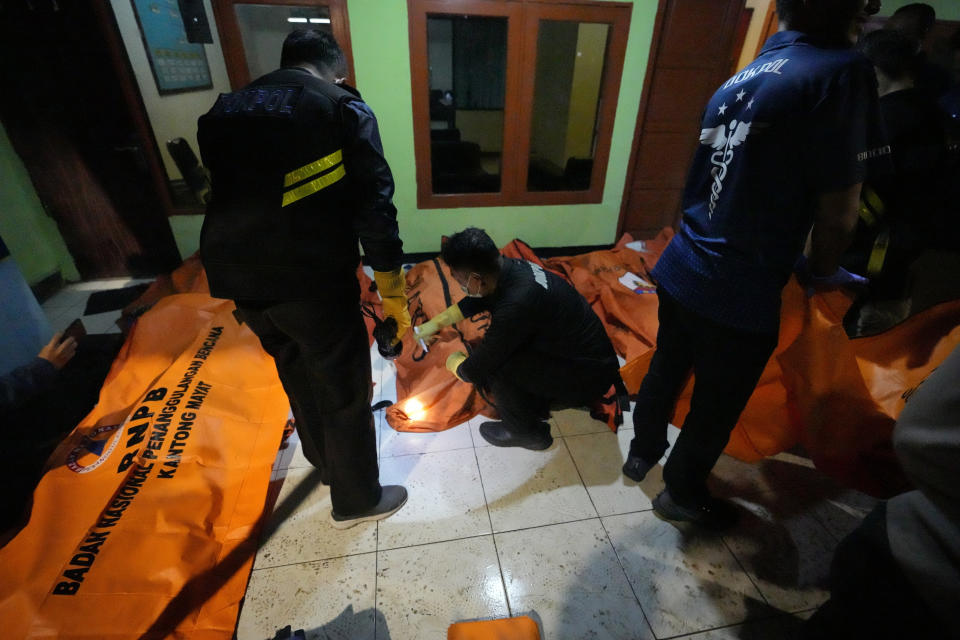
(799, 121)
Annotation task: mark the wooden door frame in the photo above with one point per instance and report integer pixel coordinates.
(523, 25)
(655, 47)
(417, 12)
(740, 39)
(135, 106)
(771, 23)
(614, 57)
(231, 40)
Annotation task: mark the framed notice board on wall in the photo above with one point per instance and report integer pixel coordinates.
(177, 65)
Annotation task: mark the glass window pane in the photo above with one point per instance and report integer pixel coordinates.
(264, 27)
(570, 61)
(468, 68)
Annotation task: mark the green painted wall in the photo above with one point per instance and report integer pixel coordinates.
(31, 235)
(381, 51)
(186, 232)
(946, 9)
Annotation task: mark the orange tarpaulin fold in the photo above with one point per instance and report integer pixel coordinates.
(629, 318)
(143, 525)
(428, 397)
(838, 397)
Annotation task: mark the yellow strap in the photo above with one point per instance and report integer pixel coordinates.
(313, 186)
(313, 168)
(879, 253)
(872, 208)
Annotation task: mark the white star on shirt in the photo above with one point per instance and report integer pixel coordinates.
(740, 95)
(723, 108)
(750, 104)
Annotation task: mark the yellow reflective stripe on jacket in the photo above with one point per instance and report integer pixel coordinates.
(313, 186)
(312, 169)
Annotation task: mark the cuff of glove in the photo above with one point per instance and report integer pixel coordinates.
(426, 330)
(454, 360)
(390, 283)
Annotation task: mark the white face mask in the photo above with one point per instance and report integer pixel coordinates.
(466, 288)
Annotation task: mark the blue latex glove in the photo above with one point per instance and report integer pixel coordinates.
(838, 279)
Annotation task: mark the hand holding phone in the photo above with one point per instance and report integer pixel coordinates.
(76, 330)
(63, 346)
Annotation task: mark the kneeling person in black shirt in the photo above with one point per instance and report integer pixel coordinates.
(545, 347)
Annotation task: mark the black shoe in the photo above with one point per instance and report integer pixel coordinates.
(391, 499)
(709, 513)
(497, 434)
(636, 468)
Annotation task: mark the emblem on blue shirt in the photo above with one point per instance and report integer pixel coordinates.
(724, 141)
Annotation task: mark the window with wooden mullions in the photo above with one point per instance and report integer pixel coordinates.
(514, 100)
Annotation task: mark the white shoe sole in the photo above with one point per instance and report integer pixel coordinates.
(352, 522)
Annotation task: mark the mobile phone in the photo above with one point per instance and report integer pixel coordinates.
(76, 330)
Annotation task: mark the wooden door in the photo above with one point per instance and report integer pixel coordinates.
(240, 19)
(740, 37)
(691, 55)
(74, 116)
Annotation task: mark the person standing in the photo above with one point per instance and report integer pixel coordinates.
(902, 209)
(783, 146)
(298, 178)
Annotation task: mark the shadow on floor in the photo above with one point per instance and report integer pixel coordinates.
(368, 623)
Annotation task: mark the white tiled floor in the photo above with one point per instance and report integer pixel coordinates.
(69, 303)
(559, 535)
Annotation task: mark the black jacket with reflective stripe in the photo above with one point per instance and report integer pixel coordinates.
(298, 177)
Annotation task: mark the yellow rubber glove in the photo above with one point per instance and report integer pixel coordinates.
(454, 360)
(391, 285)
(451, 315)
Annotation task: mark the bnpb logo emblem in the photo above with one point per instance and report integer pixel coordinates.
(94, 448)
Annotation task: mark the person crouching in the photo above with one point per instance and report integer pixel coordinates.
(544, 348)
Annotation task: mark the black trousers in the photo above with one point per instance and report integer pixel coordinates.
(870, 597)
(530, 384)
(727, 363)
(322, 354)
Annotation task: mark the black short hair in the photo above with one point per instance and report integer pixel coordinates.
(828, 20)
(316, 47)
(471, 250)
(892, 52)
(920, 11)
(915, 20)
(787, 10)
